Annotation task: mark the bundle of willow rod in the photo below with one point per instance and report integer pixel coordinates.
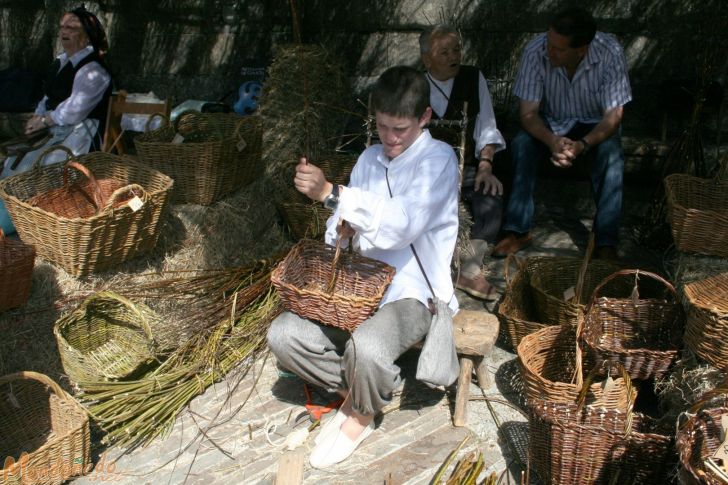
(466, 470)
(134, 412)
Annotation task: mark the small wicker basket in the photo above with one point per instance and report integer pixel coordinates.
(16, 272)
(641, 334)
(700, 436)
(337, 288)
(45, 432)
(107, 337)
(707, 319)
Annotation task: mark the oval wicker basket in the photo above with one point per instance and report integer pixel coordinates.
(548, 361)
(707, 319)
(697, 439)
(45, 432)
(17, 260)
(304, 283)
(641, 334)
(517, 310)
(106, 337)
(221, 153)
(556, 276)
(698, 213)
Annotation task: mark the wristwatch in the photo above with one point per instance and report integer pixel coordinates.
(332, 200)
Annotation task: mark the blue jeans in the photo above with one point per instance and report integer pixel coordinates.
(606, 178)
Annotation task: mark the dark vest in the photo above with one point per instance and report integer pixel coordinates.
(59, 84)
(464, 88)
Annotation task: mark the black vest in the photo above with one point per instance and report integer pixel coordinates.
(59, 84)
(464, 88)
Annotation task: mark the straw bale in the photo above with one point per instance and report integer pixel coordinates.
(693, 267)
(685, 385)
(303, 107)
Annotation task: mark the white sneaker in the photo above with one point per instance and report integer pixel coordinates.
(332, 424)
(335, 448)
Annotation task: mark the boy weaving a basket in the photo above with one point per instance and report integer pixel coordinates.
(401, 208)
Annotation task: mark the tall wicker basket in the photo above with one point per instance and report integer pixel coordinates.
(707, 319)
(220, 153)
(45, 432)
(83, 245)
(16, 272)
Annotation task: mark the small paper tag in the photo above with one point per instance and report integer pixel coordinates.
(178, 138)
(135, 203)
(569, 293)
(13, 400)
(722, 452)
(608, 384)
(241, 145)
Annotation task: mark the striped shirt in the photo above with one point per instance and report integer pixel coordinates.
(600, 83)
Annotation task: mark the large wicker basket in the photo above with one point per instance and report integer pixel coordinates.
(106, 337)
(221, 153)
(304, 282)
(45, 432)
(16, 272)
(548, 360)
(698, 213)
(697, 439)
(83, 245)
(556, 276)
(707, 319)
(641, 334)
(517, 310)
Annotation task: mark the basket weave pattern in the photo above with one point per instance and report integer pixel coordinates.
(85, 245)
(698, 214)
(303, 278)
(106, 337)
(42, 420)
(640, 334)
(221, 153)
(16, 272)
(698, 439)
(707, 319)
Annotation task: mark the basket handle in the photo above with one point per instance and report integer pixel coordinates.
(36, 376)
(69, 154)
(636, 273)
(190, 113)
(98, 196)
(631, 395)
(123, 191)
(148, 124)
(579, 312)
(512, 259)
(129, 304)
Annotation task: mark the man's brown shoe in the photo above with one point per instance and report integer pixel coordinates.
(607, 253)
(477, 287)
(511, 244)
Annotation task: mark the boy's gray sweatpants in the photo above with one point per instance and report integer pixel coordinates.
(362, 362)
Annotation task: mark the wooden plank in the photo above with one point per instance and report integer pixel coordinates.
(290, 468)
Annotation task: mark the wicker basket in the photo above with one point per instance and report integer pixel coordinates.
(641, 334)
(45, 432)
(304, 282)
(517, 311)
(697, 439)
(548, 360)
(221, 153)
(85, 245)
(698, 214)
(569, 445)
(558, 275)
(107, 337)
(16, 272)
(707, 319)
(83, 198)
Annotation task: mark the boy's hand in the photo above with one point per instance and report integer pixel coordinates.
(310, 181)
(344, 230)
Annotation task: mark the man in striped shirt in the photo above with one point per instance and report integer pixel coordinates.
(572, 84)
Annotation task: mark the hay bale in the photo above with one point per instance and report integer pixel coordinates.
(303, 107)
(694, 267)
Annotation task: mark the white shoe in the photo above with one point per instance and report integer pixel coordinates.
(335, 448)
(332, 424)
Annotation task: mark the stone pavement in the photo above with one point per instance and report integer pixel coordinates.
(221, 438)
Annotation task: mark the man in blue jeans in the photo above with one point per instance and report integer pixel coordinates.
(572, 84)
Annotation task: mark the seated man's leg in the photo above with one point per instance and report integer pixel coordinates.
(527, 154)
(310, 350)
(607, 180)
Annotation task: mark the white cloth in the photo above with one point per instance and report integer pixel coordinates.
(485, 132)
(89, 86)
(600, 83)
(423, 211)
